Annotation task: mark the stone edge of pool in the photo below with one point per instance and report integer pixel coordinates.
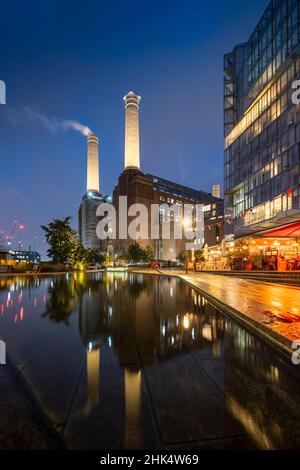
(277, 340)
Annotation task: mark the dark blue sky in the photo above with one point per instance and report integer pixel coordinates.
(76, 60)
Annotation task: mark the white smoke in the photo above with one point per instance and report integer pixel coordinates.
(53, 124)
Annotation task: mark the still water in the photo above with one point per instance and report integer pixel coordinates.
(117, 360)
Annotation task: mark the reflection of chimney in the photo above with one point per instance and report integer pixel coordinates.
(93, 372)
(92, 163)
(132, 379)
(132, 133)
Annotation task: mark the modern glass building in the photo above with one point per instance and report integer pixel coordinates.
(262, 125)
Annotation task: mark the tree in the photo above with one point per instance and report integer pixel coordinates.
(108, 258)
(65, 246)
(93, 256)
(135, 253)
(148, 254)
(181, 257)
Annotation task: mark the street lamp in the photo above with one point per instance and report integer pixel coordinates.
(186, 223)
(186, 261)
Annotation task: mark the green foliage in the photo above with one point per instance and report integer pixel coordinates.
(135, 253)
(65, 248)
(148, 253)
(93, 256)
(181, 257)
(52, 268)
(108, 258)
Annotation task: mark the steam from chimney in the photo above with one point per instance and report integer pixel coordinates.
(54, 124)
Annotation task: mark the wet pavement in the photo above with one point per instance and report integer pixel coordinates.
(275, 307)
(121, 360)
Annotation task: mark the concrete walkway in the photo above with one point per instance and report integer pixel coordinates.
(273, 310)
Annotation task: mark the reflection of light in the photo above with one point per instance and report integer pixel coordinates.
(186, 322)
(193, 334)
(90, 346)
(132, 382)
(110, 311)
(110, 341)
(275, 303)
(163, 330)
(21, 313)
(249, 424)
(93, 366)
(274, 374)
(207, 332)
(177, 320)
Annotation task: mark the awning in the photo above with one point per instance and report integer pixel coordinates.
(291, 230)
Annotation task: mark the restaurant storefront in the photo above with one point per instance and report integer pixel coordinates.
(271, 250)
(277, 249)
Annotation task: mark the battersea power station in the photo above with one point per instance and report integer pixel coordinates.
(146, 189)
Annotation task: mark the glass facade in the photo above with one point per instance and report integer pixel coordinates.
(261, 123)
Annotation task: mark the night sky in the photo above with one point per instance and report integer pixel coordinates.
(76, 60)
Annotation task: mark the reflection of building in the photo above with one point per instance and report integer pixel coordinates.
(157, 314)
(148, 189)
(87, 219)
(262, 129)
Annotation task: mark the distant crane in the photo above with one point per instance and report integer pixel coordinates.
(21, 230)
(8, 239)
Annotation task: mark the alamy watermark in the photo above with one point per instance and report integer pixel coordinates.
(296, 93)
(296, 353)
(2, 92)
(152, 222)
(2, 352)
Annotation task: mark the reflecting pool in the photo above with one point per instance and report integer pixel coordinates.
(117, 360)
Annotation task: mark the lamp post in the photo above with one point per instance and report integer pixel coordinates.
(186, 261)
(185, 223)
